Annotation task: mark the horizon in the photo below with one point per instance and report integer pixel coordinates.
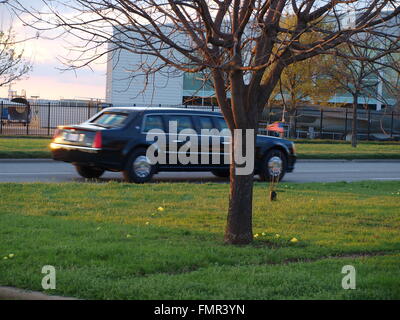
(46, 80)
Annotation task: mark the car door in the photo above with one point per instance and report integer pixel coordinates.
(209, 141)
(182, 140)
(225, 140)
(153, 126)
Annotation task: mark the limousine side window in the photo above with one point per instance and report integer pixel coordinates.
(222, 123)
(183, 122)
(206, 123)
(153, 122)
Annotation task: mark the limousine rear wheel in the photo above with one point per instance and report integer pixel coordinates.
(89, 172)
(273, 166)
(138, 168)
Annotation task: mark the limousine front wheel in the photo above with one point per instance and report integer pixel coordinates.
(138, 168)
(273, 166)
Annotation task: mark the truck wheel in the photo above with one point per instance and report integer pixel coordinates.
(138, 168)
(273, 166)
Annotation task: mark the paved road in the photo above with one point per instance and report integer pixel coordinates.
(306, 171)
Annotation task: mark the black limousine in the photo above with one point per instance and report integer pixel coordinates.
(119, 139)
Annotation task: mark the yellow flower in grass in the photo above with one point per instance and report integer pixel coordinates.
(256, 235)
(160, 209)
(11, 255)
(294, 240)
(263, 234)
(5, 258)
(277, 235)
(128, 236)
(147, 223)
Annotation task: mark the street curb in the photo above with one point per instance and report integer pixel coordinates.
(9, 293)
(348, 160)
(27, 160)
(298, 160)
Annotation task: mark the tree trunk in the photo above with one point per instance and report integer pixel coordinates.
(354, 122)
(239, 227)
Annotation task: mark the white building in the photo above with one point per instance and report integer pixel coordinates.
(127, 84)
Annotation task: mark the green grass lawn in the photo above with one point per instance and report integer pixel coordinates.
(22, 148)
(109, 241)
(364, 150)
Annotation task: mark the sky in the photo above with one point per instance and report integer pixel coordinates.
(47, 79)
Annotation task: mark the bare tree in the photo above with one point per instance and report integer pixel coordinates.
(240, 42)
(390, 78)
(12, 64)
(358, 68)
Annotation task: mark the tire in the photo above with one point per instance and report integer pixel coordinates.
(89, 172)
(221, 173)
(274, 160)
(138, 168)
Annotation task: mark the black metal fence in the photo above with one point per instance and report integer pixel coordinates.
(336, 123)
(42, 118)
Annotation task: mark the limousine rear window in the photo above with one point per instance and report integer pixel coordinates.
(110, 120)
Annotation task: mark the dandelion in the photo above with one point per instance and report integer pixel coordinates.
(256, 235)
(294, 240)
(5, 258)
(263, 234)
(128, 236)
(160, 209)
(98, 228)
(277, 235)
(11, 255)
(147, 223)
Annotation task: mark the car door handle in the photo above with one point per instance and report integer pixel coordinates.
(177, 141)
(226, 142)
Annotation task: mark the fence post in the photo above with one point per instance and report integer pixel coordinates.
(320, 123)
(391, 125)
(48, 119)
(345, 124)
(1, 119)
(27, 120)
(369, 124)
(295, 122)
